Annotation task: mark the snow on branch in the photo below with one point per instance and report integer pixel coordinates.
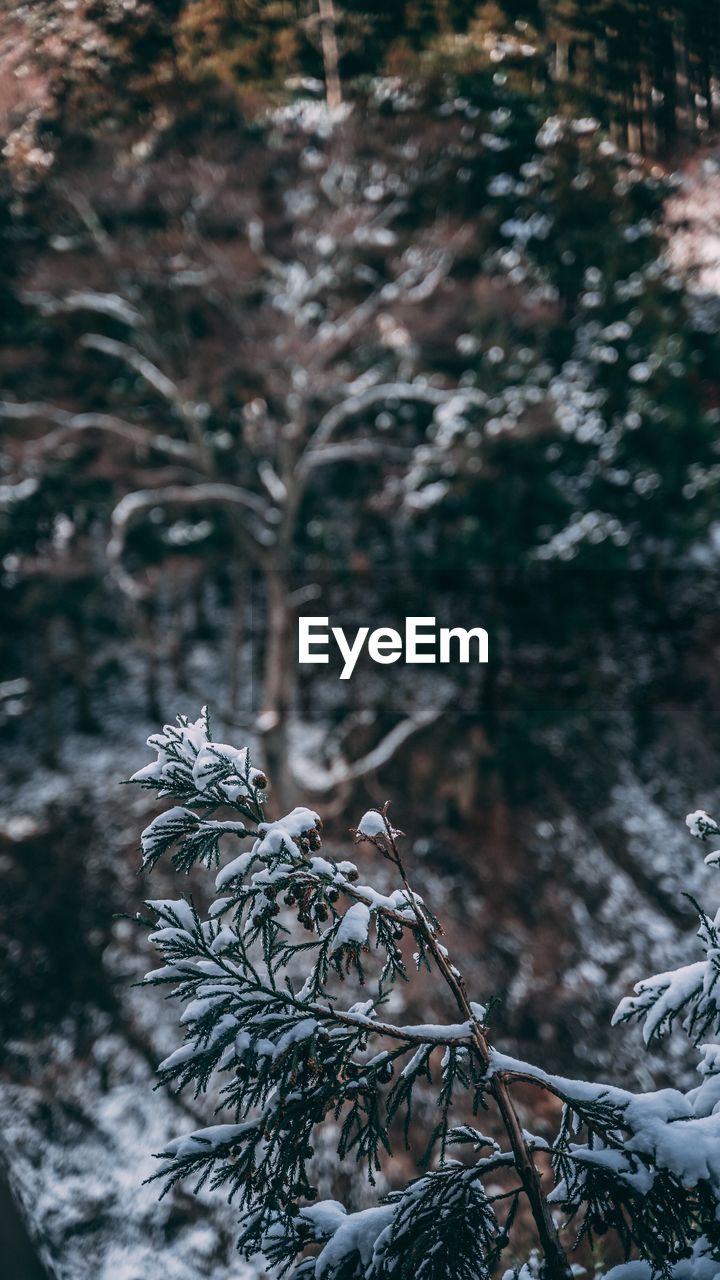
(133, 506)
(352, 451)
(111, 305)
(70, 424)
(414, 284)
(260, 979)
(343, 772)
(187, 410)
(144, 367)
(355, 405)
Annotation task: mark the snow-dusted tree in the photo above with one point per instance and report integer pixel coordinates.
(270, 1035)
(305, 345)
(342, 266)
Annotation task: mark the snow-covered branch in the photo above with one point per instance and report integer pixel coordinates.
(111, 305)
(386, 393)
(350, 451)
(423, 1034)
(140, 363)
(645, 1165)
(381, 754)
(69, 424)
(188, 412)
(133, 506)
(416, 283)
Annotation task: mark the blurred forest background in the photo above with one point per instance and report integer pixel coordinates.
(362, 310)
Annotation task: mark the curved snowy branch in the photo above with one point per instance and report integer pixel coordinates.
(133, 506)
(105, 304)
(272, 482)
(169, 391)
(380, 754)
(69, 424)
(90, 220)
(350, 451)
(418, 392)
(142, 365)
(415, 284)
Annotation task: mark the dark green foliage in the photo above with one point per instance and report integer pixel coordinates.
(445, 1226)
(271, 1038)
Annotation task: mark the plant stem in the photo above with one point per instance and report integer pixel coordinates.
(558, 1267)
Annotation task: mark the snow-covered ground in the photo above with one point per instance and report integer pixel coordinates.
(77, 1153)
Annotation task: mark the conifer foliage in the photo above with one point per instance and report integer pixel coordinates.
(269, 1035)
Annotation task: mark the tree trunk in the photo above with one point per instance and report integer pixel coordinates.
(331, 56)
(561, 62)
(684, 115)
(239, 589)
(278, 688)
(150, 640)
